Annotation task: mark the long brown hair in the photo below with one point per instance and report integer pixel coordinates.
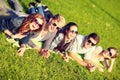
(25, 24)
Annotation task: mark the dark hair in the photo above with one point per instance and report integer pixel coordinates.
(94, 36)
(38, 1)
(113, 56)
(70, 24)
(67, 27)
(31, 4)
(56, 17)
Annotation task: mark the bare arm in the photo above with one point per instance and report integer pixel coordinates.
(9, 33)
(109, 66)
(76, 58)
(95, 64)
(34, 46)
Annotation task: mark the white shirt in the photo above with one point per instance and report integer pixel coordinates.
(78, 48)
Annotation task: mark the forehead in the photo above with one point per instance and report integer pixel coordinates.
(60, 22)
(73, 28)
(93, 40)
(40, 21)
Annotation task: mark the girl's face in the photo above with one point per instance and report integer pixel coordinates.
(109, 53)
(36, 24)
(72, 32)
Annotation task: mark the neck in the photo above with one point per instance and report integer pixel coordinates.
(100, 55)
(67, 38)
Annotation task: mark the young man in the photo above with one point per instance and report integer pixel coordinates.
(83, 45)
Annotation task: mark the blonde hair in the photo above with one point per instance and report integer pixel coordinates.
(60, 19)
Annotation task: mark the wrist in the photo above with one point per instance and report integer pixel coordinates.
(23, 46)
(11, 35)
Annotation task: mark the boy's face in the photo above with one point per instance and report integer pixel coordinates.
(53, 25)
(89, 43)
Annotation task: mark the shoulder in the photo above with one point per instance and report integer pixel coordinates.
(17, 20)
(79, 38)
(60, 36)
(97, 50)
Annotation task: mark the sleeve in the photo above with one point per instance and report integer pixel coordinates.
(73, 48)
(47, 42)
(31, 44)
(56, 41)
(24, 40)
(93, 52)
(76, 44)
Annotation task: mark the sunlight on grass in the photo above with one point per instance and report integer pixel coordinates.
(102, 17)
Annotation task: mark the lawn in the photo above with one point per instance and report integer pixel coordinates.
(100, 16)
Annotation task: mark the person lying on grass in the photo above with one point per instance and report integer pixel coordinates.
(64, 39)
(107, 57)
(83, 45)
(20, 27)
(46, 35)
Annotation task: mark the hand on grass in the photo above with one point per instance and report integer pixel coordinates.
(19, 36)
(65, 57)
(45, 53)
(90, 67)
(21, 51)
(101, 69)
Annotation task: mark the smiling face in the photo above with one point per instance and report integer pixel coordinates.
(72, 32)
(55, 23)
(53, 26)
(36, 24)
(109, 53)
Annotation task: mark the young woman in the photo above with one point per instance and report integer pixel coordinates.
(65, 39)
(106, 56)
(46, 35)
(20, 27)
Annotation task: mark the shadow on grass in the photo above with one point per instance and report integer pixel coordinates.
(106, 12)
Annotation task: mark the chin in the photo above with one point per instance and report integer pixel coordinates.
(87, 47)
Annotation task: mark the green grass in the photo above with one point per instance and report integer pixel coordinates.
(100, 16)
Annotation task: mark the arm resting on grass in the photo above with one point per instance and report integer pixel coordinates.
(109, 66)
(74, 57)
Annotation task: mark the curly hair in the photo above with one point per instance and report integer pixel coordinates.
(25, 24)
